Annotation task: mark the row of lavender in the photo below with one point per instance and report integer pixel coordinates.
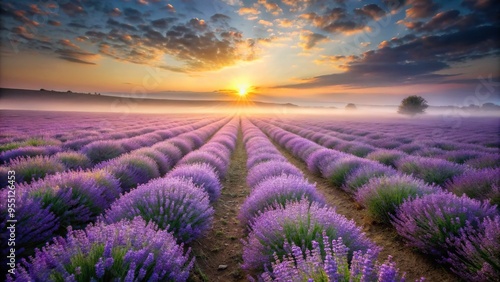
(38, 166)
(481, 184)
(76, 130)
(462, 232)
(473, 155)
(293, 235)
(48, 146)
(70, 200)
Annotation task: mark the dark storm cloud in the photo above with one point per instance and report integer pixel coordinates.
(220, 18)
(54, 23)
(72, 8)
(310, 39)
(412, 60)
(371, 10)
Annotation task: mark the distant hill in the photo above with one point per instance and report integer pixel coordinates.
(21, 99)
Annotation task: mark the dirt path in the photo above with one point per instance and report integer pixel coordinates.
(414, 264)
(222, 245)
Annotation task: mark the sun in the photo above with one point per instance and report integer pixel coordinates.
(242, 90)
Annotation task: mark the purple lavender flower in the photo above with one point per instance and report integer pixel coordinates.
(131, 170)
(28, 151)
(321, 158)
(430, 170)
(361, 175)
(277, 191)
(474, 254)
(299, 223)
(382, 196)
(200, 156)
(170, 151)
(268, 169)
(29, 169)
(478, 184)
(202, 175)
(486, 160)
(337, 171)
(136, 249)
(163, 162)
(174, 204)
(73, 160)
(100, 151)
(35, 225)
(261, 157)
(386, 157)
(76, 197)
(427, 222)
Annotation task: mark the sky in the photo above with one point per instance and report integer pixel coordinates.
(306, 52)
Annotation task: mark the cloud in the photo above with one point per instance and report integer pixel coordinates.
(272, 8)
(421, 9)
(265, 23)
(170, 8)
(309, 39)
(412, 60)
(133, 15)
(284, 22)
(338, 20)
(372, 11)
(163, 23)
(116, 12)
(68, 43)
(53, 23)
(77, 56)
(72, 9)
(121, 26)
(220, 18)
(248, 11)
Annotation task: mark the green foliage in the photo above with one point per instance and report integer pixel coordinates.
(412, 105)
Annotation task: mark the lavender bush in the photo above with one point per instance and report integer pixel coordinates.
(337, 171)
(478, 184)
(76, 197)
(124, 251)
(361, 175)
(100, 151)
(174, 204)
(382, 196)
(430, 170)
(277, 191)
(200, 156)
(299, 223)
(202, 175)
(333, 266)
(429, 221)
(386, 157)
(29, 169)
(131, 170)
(73, 160)
(474, 254)
(320, 159)
(28, 151)
(170, 151)
(163, 162)
(269, 169)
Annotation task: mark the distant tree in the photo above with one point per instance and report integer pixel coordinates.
(350, 106)
(412, 105)
(41, 89)
(490, 107)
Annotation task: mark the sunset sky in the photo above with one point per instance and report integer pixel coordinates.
(308, 52)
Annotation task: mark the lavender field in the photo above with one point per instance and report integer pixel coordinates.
(157, 197)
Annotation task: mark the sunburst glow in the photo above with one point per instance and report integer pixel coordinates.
(243, 90)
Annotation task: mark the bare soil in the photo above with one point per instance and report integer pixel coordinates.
(222, 245)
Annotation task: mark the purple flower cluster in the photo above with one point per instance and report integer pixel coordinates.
(28, 151)
(382, 196)
(30, 169)
(202, 175)
(174, 204)
(311, 265)
(300, 223)
(361, 175)
(429, 169)
(277, 191)
(268, 169)
(73, 160)
(427, 222)
(481, 184)
(104, 150)
(125, 251)
(474, 254)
